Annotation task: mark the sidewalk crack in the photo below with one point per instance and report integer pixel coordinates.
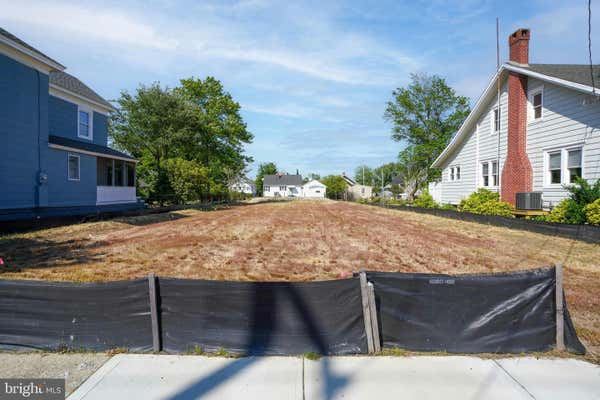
(514, 379)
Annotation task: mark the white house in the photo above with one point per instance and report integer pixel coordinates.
(243, 185)
(282, 185)
(544, 132)
(313, 189)
(356, 191)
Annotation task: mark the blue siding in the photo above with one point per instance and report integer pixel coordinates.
(62, 119)
(23, 133)
(100, 129)
(63, 122)
(63, 192)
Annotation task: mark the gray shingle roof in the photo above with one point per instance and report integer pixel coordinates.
(15, 39)
(578, 73)
(87, 146)
(72, 84)
(282, 180)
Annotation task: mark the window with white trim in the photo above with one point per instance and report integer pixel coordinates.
(84, 123)
(496, 120)
(489, 174)
(535, 108)
(267, 189)
(282, 188)
(73, 167)
(564, 166)
(455, 173)
(573, 165)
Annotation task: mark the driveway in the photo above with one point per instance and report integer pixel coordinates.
(132, 376)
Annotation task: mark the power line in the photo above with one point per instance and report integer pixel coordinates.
(590, 44)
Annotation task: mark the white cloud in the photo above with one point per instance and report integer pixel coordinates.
(87, 23)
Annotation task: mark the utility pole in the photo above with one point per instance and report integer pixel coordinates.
(382, 194)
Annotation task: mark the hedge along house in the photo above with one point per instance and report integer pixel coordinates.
(54, 158)
(542, 133)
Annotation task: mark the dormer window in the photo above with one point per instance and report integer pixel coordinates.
(84, 129)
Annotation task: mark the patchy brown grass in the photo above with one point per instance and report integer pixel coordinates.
(300, 241)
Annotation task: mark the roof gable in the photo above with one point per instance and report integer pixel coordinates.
(282, 180)
(560, 73)
(72, 84)
(26, 48)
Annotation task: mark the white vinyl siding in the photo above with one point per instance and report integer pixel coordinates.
(479, 146)
(569, 122)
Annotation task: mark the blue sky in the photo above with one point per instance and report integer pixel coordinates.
(312, 77)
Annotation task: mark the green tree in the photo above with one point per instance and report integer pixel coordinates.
(310, 177)
(186, 178)
(425, 115)
(219, 132)
(363, 174)
(268, 168)
(336, 186)
(151, 125)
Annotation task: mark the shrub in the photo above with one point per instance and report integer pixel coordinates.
(592, 212)
(187, 178)
(568, 211)
(485, 202)
(425, 200)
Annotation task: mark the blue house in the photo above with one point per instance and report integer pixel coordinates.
(54, 155)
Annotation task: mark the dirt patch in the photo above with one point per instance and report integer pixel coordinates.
(300, 241)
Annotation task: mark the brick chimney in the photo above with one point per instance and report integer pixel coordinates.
(517, 172)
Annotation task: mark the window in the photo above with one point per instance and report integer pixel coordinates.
(73, 167)
(496, 120)
(84, 129)
(555, 167)
(282, 188)
(119, 173)
(455, 173)
(485, 174)
(489, 173)
(574, 164)
(130, 174)
(536, 104)
(267, 188)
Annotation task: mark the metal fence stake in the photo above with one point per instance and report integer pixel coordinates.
(364, 292)
(374, 322)
(154, 312)
(560, 316)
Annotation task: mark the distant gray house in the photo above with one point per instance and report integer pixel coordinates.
(541, 135)
(355, 190)
(282, 185)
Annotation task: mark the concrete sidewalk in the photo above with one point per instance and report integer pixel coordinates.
(134, 376)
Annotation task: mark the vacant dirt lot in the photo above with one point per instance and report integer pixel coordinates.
(300, 240)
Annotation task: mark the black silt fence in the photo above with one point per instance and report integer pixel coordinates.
(96, 316)
(500, 313)
(495, 313)
(586, 233)
(262, 318)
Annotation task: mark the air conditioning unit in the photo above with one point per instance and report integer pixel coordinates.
(529, 201)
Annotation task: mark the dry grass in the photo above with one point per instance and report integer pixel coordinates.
(300, 241)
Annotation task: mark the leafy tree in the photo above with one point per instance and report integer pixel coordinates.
(151, 125)
(425, 115)
(411, 172)
(219, 132)
(264, 169)
(186, 178)
(310, 177)
(336, 186)
(364, 175)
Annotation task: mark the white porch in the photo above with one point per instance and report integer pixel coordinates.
(115, 194)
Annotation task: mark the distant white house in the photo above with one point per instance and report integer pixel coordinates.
(313, 189)
(282, 185)
(243, 185)
(356, 191)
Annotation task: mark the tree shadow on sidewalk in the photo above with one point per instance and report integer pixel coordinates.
(261, 342)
